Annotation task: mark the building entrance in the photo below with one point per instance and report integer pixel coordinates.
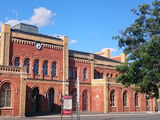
(84, 101)
(147, 104)
(35, 100)
(51, 104)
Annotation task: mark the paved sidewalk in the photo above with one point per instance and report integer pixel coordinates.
(82, 114)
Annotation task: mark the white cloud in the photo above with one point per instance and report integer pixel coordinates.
(73, 41)
(1, 23)
(112, 50)
(13, 22)
(41, 17)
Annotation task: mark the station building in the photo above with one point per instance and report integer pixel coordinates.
(37, 69)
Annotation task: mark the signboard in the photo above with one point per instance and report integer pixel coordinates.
(66, 105)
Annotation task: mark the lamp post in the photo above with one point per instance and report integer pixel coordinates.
(78, 101)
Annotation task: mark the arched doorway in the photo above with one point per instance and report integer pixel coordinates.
(84, 101)
(74, 99)
(51, 104)
(35, 100)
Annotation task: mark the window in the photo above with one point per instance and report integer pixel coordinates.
(26, 63)
(16, 61)
(54, 69)
(98, 75)
(112, 98)
(107, 75)
(45, 68)
(70, 72)
(125, 98)
(110, 75)
(84, 74)
(36, 67)
(136, 99)
(6, 96)
(101, 76)
(74, 73)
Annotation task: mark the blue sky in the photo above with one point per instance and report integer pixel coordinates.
(89, 24)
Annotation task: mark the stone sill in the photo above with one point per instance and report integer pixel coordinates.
(138, 106)
(126, 106)
(6, 108)
(113, 106)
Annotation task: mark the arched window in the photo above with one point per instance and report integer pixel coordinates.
(136, 99)
(74, 73)
(70, 72)
(98, 75)
(107, 75)
(45, 68)
(26, 63)
(84, 73)
(110, 75)
(101, 76)
(54, 69)
(112, 98)
(125, 98)
(6, 96)
(16, 61)
(36, 67)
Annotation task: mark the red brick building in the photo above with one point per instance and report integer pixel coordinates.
(36, 69)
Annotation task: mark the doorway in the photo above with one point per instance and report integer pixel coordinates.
(35, 100)
(147, 104)
(51, 104)
(84, 101)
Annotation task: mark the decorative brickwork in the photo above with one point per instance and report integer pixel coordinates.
(39, 69)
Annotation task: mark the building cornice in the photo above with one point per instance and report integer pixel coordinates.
(32, 43)
(36, 38)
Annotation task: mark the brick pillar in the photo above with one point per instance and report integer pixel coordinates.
(23, 92)
(40, 69)
(50, 70)
(5, 45)
(65, 65)
(120, 101)
(92, 66)
(21, 62)
(31, 65)
(106, 95)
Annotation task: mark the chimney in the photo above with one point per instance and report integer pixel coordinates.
(106, 53)
(123, 57)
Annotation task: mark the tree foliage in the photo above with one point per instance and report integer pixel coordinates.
(141, 43)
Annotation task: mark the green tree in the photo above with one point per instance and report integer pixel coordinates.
(141, 44)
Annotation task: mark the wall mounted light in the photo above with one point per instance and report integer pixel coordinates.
(45, 95)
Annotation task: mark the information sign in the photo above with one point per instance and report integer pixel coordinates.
(66, 105)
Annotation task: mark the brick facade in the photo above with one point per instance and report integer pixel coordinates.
(40, 92)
